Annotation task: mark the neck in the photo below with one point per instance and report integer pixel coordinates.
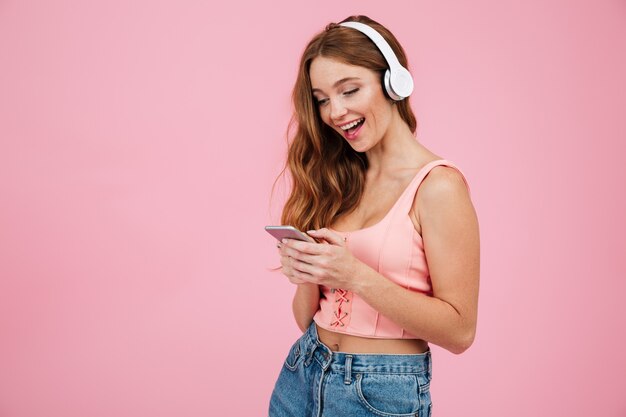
(398, 148)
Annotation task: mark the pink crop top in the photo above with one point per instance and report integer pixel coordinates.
(394, 249)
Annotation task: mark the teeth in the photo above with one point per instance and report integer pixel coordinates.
(351, 125)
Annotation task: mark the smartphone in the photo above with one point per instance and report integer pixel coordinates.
(289, 232)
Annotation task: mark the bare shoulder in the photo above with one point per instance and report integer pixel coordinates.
(443, 184)
(443, 195)
(445, 215)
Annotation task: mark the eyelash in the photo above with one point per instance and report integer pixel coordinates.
(323, 101)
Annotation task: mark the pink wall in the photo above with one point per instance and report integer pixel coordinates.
(138, 145)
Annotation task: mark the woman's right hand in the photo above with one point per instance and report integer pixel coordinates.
(287, 269)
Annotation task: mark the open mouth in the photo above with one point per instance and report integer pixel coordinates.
(352, 128)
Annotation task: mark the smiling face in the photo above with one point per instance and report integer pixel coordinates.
(350, 100)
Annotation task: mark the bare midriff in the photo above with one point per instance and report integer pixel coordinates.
(340, 342)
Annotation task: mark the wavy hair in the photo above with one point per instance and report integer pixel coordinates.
(328, 176)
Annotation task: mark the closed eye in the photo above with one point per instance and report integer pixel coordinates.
(321, 101)
(324, 101)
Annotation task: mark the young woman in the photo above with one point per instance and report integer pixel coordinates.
(396, 266)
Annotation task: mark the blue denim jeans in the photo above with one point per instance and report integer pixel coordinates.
(317, 382)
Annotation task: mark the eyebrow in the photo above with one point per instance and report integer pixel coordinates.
(339, 82)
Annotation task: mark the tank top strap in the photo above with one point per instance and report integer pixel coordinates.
(406, 199)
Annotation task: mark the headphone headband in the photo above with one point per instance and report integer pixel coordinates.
(398, 81)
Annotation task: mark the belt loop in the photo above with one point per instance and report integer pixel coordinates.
(347, 378)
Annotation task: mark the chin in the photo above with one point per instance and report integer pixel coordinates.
(361, 148)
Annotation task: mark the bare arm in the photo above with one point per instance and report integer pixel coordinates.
(451, 242)
(305, 304)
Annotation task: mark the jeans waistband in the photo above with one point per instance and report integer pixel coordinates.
(363, 362)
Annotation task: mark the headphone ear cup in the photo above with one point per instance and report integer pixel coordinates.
(388, 88)
(402, 82)
(399, 82)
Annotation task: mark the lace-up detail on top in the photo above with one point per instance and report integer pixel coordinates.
(342, 307)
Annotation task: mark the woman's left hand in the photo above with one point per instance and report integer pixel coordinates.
(330, 263)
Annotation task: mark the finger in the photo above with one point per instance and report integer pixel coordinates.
(300, 266)
(294, 270)
(297, 281)
(291, 264)
(302, 276)
(328, 235)
(303, 247)
(290, 276)
(300, 256)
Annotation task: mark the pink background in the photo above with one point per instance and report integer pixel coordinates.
(138, 146)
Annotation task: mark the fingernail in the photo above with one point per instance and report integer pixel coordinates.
(284, 240)
(312, 231)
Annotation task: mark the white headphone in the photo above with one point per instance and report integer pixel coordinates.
(398, 81)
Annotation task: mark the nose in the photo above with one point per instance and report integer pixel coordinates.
(337, 110)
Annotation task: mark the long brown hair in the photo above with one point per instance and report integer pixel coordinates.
(328, 176)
